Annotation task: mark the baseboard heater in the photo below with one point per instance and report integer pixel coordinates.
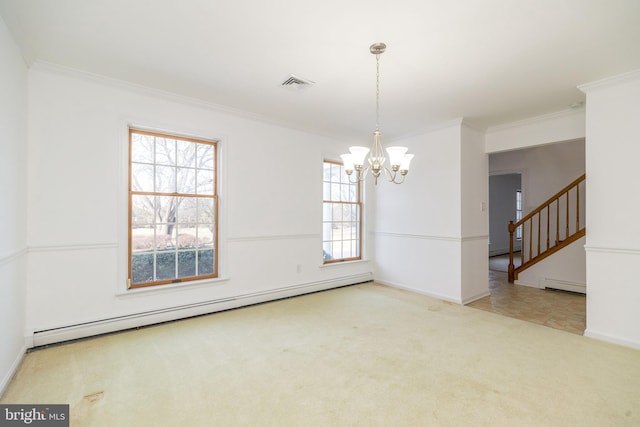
(120, 323)
(564, 285)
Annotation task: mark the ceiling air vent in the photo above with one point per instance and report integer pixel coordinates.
(296, 83)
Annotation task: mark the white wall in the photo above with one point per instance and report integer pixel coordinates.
(270, 218)
(423, 240)
(565, 269)
(13, 166)
(613, 208)
(560, 126)
(417, 223)
(474, 191)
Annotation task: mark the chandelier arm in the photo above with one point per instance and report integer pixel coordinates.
(360, 175)
(398, 182)
(392, 176)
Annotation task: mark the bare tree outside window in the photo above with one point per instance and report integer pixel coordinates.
(173, 209)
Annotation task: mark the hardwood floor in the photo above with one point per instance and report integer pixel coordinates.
(556, 309)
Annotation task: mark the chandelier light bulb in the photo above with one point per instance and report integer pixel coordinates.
(396, 155)
(406, 161)
(358, 154)
(347, 161)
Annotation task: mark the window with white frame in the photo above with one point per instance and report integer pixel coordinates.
(173, 209)
(341, 215)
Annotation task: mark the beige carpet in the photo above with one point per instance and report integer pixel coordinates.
(365, 355)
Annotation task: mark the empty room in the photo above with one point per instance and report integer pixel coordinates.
(279, 213)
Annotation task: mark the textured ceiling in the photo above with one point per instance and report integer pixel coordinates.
(489, 61)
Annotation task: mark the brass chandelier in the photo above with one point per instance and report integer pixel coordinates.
(398, 157)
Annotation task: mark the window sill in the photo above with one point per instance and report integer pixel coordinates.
(171, 287)
(335, 264)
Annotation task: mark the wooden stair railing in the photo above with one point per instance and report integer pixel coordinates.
(541, 229)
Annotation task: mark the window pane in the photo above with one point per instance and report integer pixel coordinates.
(346, 213)
(327, 233)
(165, 179)
(142, 210)
(206, 262)
(346, 249)
(165, 151)
(206, 210)
(337, 250)
(142, 148)
(165, 265)
(326, 247)
(326, 172)
(353, 193)
(335, 192)
(142, 268)
(205, 154)
(186, 263)
(187, 210)
(186, 154)
(326, 211)
(142, 177)
(326, 191)
(344, 177)
(336, 173)
(337, 213)
(186, 181)
(336, 232)
(187, 238)
(143, 239)
(205, 181)
(166, 208)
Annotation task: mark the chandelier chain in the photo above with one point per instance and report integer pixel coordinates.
(377, 91)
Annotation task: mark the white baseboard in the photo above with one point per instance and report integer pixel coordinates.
(12, 370)
(71, 332)
(476, 297)
(419, 291)
(531, 285)
(612, 339)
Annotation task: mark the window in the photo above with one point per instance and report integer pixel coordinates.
(518, 213)
(172, 209)
(341, 215)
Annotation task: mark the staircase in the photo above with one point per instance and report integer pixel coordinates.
(554, 224)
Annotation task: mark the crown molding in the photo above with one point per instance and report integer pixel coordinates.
(538, 119)
(457, 122)
(169, 96)
(610, 81)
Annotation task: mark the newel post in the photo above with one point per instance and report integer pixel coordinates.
(511, 266)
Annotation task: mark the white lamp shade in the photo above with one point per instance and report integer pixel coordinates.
(358, 154)
(406, 160)
(396, 154)
(347, 161)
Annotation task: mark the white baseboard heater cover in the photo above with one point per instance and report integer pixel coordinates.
(103, 326)
(564, 285)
